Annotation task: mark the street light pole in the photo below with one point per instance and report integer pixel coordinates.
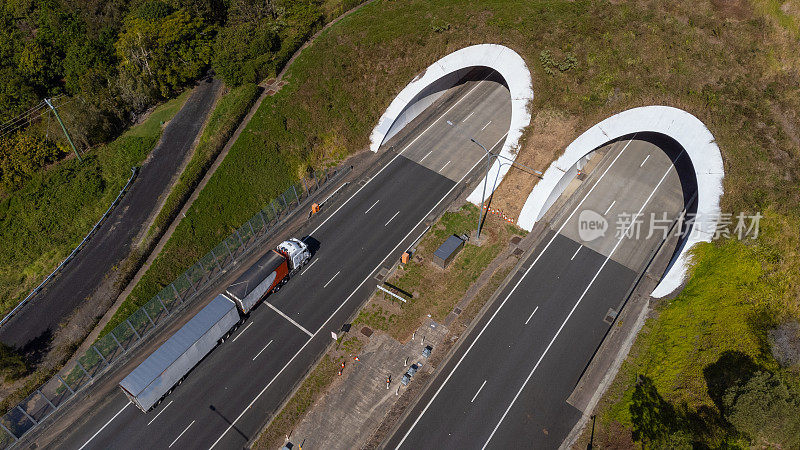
(485, 180)
(489, 156)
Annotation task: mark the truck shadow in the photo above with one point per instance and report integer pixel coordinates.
(313, 245)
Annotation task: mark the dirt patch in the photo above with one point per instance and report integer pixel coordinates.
(733, 9)
(549, 134)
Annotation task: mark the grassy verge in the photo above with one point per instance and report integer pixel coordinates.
(42, 222)
(436, 291)
(227, 114)
(313, 386)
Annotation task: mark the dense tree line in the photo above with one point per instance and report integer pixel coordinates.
(113, 59)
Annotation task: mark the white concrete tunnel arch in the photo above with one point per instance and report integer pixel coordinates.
(687, 130)
(426, 87)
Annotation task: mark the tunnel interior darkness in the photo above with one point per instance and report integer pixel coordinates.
(434, 91)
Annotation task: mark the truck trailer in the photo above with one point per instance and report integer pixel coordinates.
(168, 365)
(157, 375)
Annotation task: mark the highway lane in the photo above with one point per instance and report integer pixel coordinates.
(507, 386)
(227, 397)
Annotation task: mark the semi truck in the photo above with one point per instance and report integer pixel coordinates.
(156, 377)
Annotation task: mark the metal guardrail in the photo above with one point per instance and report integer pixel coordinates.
(71, 379)
(36, 290)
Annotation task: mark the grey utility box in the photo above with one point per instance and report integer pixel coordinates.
(447, 251)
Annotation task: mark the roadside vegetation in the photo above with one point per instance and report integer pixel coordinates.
(223, 121)
(733, 64)
(64, 202)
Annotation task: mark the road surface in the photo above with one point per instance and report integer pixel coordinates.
(508, 384)
(228, 396)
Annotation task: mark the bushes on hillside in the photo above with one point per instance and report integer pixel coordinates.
(21, 155)
(243, 53)
(766, 410)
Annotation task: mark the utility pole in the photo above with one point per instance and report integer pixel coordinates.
(69, 139)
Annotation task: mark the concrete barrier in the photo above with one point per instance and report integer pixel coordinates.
(688, 131)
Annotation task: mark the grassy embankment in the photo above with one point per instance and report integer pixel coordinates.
(41, 223)
(734, 65)
(223, 121)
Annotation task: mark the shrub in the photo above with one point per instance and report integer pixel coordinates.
(766, 410)
(22, 155)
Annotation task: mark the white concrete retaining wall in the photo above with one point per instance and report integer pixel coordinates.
(688, 131)
(427, 87)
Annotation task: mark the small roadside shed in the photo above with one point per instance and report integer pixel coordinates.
(447, 251)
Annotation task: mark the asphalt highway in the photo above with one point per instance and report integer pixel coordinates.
(507, 385)
(229, 395)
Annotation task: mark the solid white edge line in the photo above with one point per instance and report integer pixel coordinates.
(619, 241)
(288, 318)
(184, 431)
(397, 155)
(479, 391)
(373, 205)
(609, 207)
(395, 215)
(329, 281)
(262, 350)
(230, 427)
(576, 252)
(472, 344)
(159, 413)
(309, 266)
(104, 426)
(237, 336)
(531, 316)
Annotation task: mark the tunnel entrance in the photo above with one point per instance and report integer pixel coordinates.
(460, 67)
(699, 172)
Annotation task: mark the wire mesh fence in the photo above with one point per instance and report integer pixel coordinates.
(76, 375)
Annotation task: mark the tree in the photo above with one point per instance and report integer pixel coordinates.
(765, 409)
(243, 53)
(163, 51)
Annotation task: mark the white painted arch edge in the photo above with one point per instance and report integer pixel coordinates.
(683, 127)
(511, 67)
